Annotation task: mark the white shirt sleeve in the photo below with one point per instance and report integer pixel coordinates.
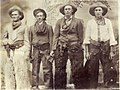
(87, 34)
(111, 33)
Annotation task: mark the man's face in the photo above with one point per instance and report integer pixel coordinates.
(40, 16)
(68, 10)
(98, 11)
(15, 15)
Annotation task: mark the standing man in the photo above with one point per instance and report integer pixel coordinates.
(67, 43)
(41, 36)
(16, 42)
(99, 41)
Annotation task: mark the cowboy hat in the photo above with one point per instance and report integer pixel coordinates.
(98, 4)
(16, 8)
(36, 11)
(73, 7)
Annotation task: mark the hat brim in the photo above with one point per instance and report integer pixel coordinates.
(36, 11)
(73, 7)
(91, 10)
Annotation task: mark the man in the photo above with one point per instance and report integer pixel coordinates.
(67, 43)
(15, 40)
(99, 42)
(41, 36)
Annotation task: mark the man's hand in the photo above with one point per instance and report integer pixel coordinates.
(111, 55)
(4, 42)
(87, 55)
(52, 53)
(111, 52)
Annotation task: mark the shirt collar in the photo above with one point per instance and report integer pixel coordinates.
(40, 23)
(69, 18)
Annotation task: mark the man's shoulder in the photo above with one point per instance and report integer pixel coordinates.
(60, 20)
(107, 20)
(91, 21)
(79, 20)
(31, 27)
(8, 25)
(48, 25)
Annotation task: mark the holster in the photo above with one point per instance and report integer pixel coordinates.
(96, 47)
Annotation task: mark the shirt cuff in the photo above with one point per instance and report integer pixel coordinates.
(86, 42)
(113, 43)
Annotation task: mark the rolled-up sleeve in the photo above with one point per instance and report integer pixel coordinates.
(87, 34)
(111, 33)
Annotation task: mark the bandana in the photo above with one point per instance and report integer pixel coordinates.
(16, 25)
(65, 25)
(41, 29)
(100, 21)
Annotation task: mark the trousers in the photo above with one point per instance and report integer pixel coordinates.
(39, 56)
(75, 54)
(99, 53)
(16, 71)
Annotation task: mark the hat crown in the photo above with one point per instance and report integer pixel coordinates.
(99, 4)
(15, 7)
(68, 4)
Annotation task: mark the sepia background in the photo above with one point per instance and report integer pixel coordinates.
(52, 9)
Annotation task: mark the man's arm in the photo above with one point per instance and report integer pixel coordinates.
(80, 31)
(26, 39)
(56, 35)
(87, 41)
(51, 37)
(113, 42)
(112, 37)
(5, 36)
(5, 40)
(30, 41)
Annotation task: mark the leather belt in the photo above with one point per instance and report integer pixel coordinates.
(17, 44)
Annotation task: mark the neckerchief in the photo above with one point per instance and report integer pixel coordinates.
(41, 29)
(65, 26)
(100, 21)
(16, 25)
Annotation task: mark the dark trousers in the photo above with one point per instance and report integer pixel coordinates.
(75, 54)
(98, 53)
(47, 68)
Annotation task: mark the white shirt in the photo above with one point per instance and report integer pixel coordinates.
(106, 32)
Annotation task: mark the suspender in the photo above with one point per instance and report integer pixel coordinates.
(103, 22)
(98, 32)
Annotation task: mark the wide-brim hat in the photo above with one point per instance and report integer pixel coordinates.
(14, 8)
(98, 4)
(73, 7)
(39, 10)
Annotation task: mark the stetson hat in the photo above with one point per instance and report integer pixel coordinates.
(16, 8)
(73, 7)
(98, 4)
